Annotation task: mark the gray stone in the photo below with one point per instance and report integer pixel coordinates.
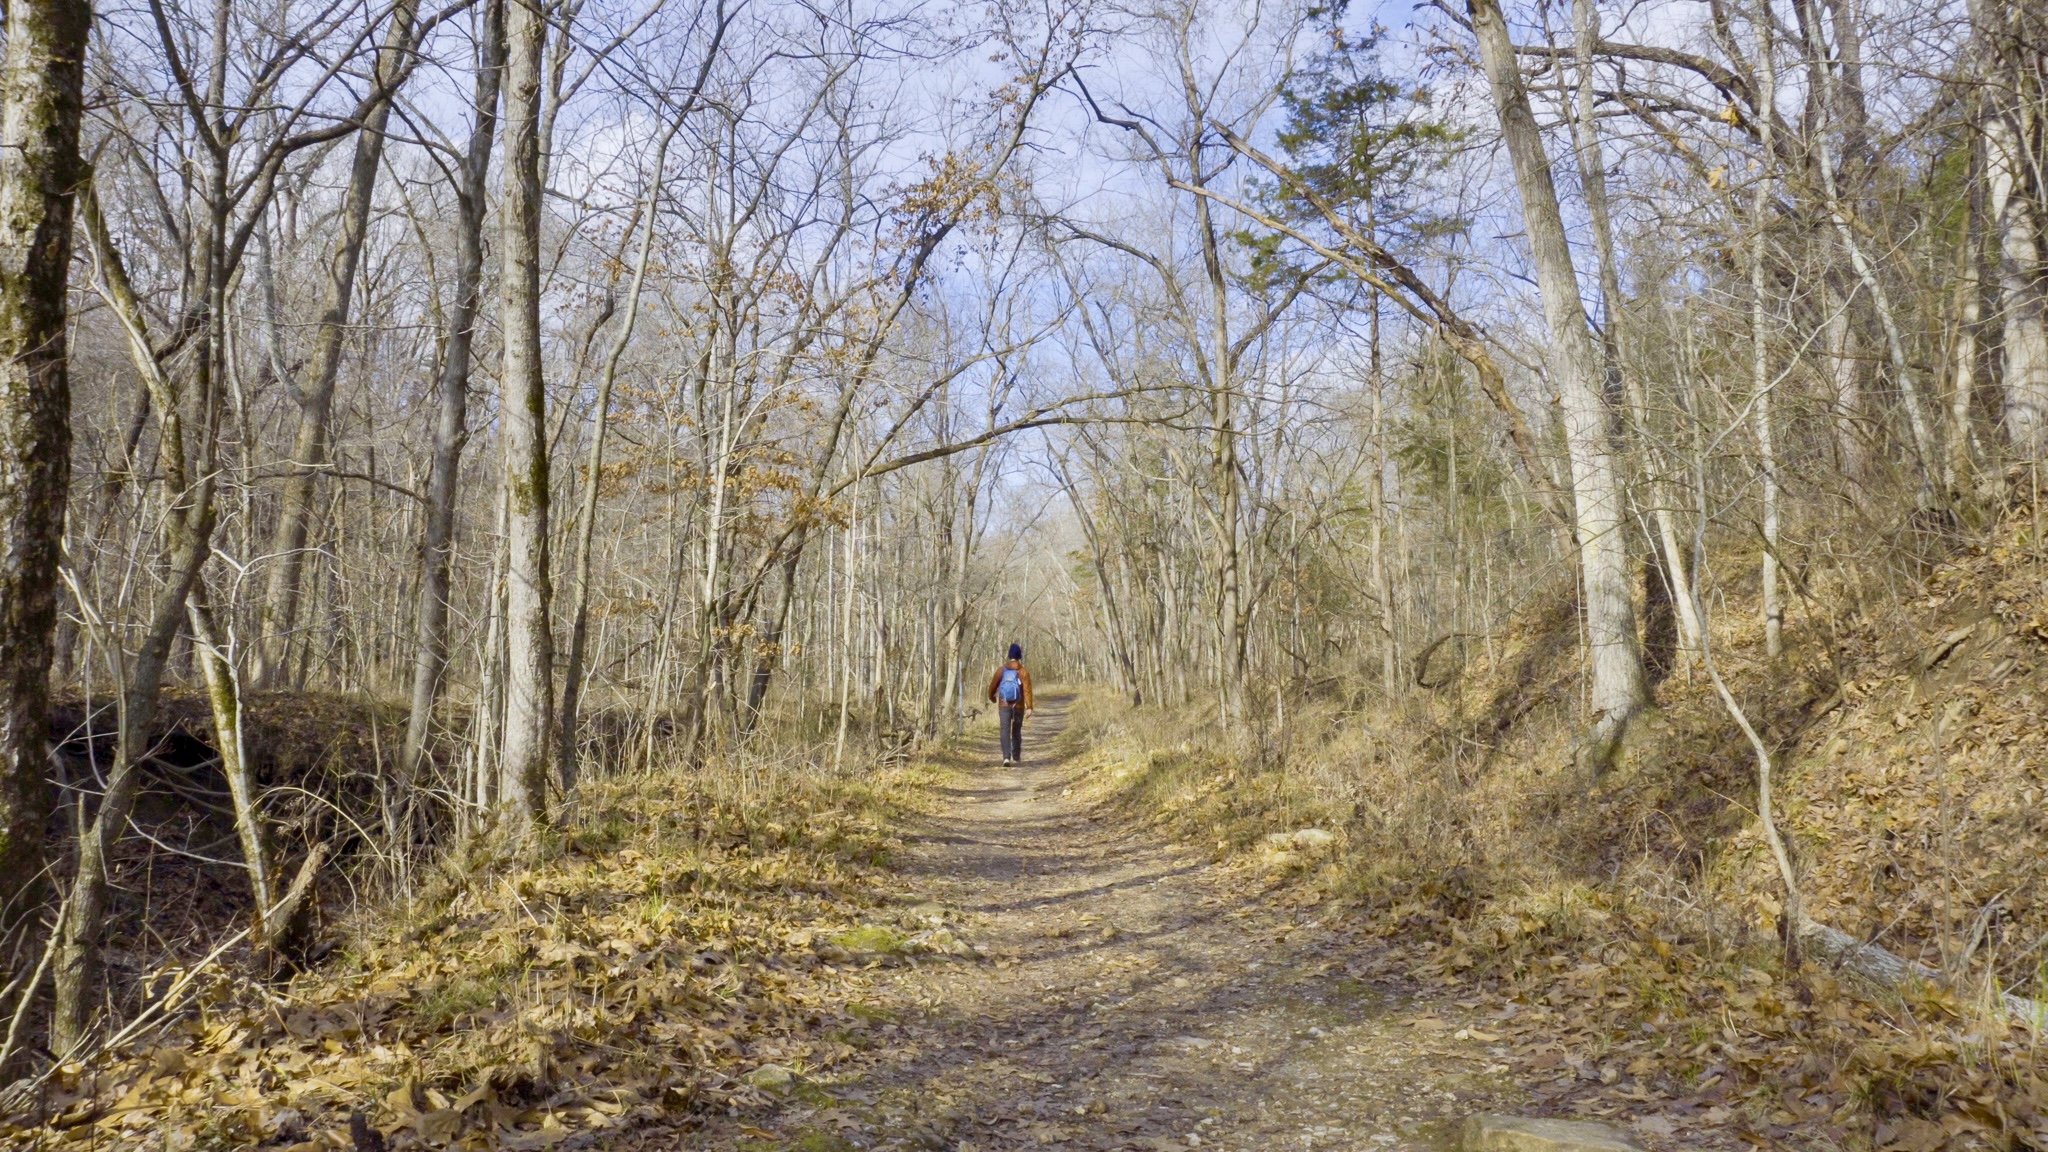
(1533, 1134)
(1313, 841)
(771, 1078)
(945, 943)
(1309, 841)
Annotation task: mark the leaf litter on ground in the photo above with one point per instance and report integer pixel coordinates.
(673, 937)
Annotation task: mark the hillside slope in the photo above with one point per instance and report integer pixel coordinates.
(1912, 761)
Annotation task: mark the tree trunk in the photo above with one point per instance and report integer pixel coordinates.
(2015, 222)
(846, 631)
(1759, 350)
(1961, 461)
(945, 687)
(1617, 667)
(189, 477)
(768, 653)
(488, 716)
(1671, 565)
(586, 512)
(437, 545)
(529, 667)
(1223, 465)
(1845, 376)
(1834, 105)
(1382, 572)
(40, 170)
(224, 700)
(280, 606)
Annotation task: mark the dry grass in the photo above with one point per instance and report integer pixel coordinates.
(1640, 907)
(671, 935)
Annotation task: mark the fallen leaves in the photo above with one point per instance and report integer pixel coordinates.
(1630, 923)
(606, 985)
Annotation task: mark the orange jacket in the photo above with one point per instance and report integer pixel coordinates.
(1023, 674)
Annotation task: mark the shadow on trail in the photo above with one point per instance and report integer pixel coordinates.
(1088, 893)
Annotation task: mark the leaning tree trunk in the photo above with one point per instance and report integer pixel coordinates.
(85, 910)
(586, 512)
(280, 606)
(1668, 566)
(216, 659)
(1618, 682)
(40, 170)
(188, 476)
(1840, 108)
(529, 665)
(437, 545)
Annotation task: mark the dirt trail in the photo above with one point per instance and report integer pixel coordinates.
(1129, 994)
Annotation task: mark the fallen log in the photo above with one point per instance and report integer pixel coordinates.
(1892, 971)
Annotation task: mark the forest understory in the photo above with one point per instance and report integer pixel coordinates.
(507, 506)
(1349, 931)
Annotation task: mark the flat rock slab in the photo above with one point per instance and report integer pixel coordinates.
(1532, 1134)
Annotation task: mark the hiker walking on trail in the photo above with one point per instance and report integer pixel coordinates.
(1010, 692)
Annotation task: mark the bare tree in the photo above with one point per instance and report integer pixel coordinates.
(451, 423)
(226, 189)
(41, 81)
(1617, 667)
(529, 681)
(2010, 125)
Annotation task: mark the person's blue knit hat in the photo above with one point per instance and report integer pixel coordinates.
(1016, 651)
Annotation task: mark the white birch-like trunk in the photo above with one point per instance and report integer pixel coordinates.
(2023, 313)
(1961, 460)
(529, 666)
(1617, 667)
(1593, 175)
(1759, 352)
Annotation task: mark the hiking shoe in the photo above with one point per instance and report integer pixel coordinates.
(1006, 761)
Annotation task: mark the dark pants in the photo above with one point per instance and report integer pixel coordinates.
(1011, 723)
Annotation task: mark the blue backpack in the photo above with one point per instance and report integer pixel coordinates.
(1011, 689)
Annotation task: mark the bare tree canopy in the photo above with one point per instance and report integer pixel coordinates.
(441, 440)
